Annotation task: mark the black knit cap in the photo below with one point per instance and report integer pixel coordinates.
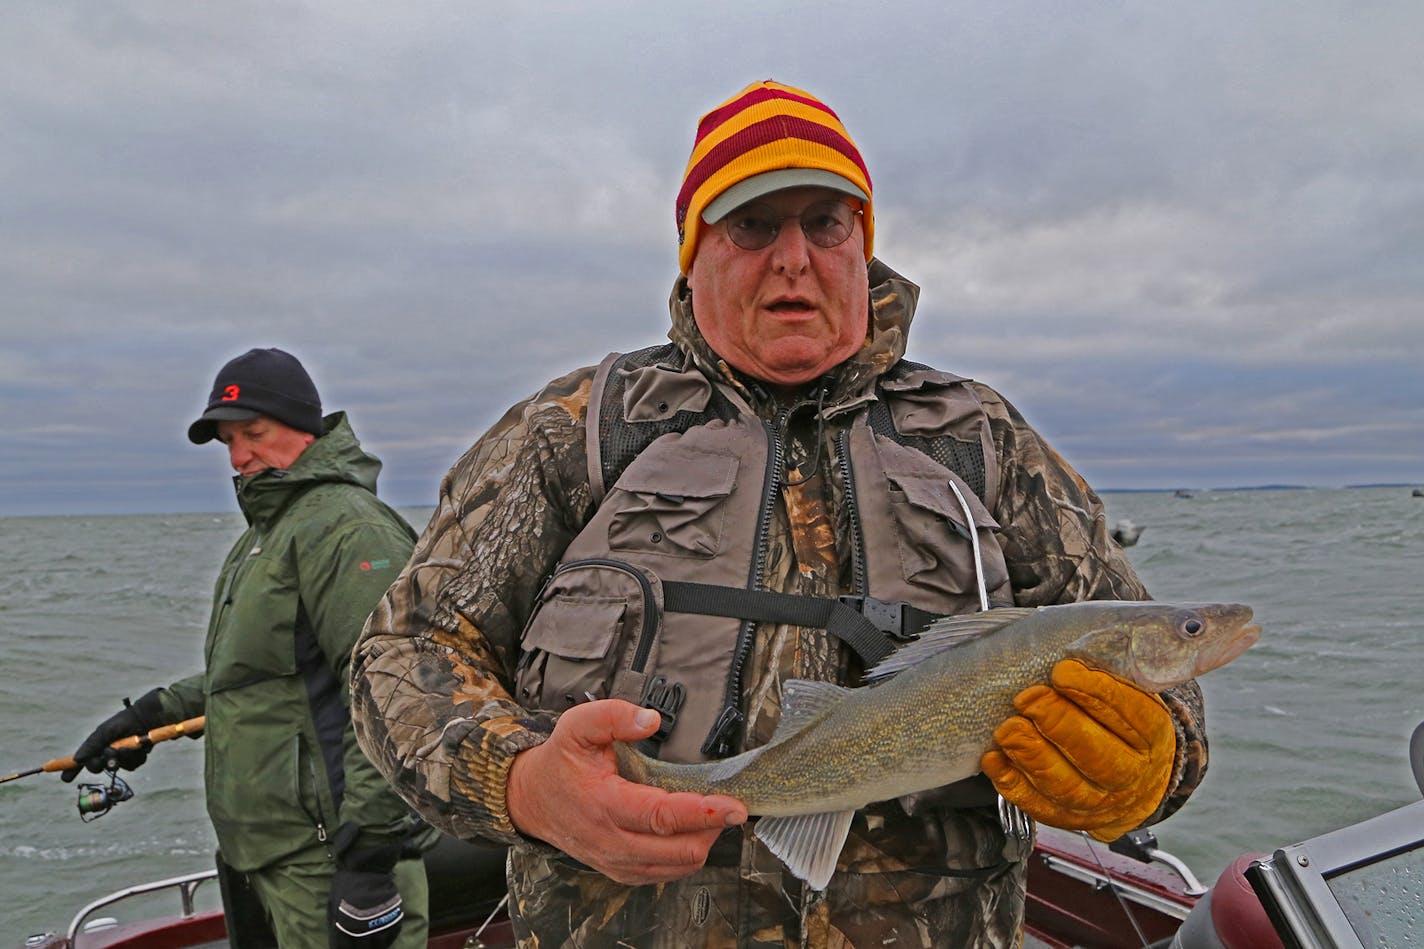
(260, 382)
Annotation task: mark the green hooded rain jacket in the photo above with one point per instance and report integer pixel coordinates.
(283, 770)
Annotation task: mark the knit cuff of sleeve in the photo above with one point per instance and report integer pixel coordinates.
(1189, 766)
(480, 775)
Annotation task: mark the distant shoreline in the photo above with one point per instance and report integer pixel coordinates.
(1262, 487)
(401, 505)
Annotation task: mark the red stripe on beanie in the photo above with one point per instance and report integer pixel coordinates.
(766, 132)
(717, 117)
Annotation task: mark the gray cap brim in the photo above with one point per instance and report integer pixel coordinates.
(205, 429)
(779, 180)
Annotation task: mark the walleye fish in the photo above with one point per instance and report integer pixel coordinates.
(931, 711)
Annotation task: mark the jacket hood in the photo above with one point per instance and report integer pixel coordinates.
(334, 458)
(892, 307)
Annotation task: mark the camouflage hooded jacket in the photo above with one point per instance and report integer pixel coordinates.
(433, 676)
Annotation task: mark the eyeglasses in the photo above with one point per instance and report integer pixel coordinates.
(826, 224)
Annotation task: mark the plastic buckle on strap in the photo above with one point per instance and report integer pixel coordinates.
(888, 617)
(667, 699)
(719, 741)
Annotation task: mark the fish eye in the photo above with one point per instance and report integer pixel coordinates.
(1191, 625)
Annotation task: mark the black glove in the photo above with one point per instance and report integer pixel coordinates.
(135, 718)
(365, 907)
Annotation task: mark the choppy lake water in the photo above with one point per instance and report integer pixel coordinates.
(1309, 729)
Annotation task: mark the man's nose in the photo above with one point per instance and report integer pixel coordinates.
(237, 455)
(790, 251)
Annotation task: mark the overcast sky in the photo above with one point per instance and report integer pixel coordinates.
(1185, 239)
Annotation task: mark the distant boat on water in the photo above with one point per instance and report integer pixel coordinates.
(1183, 493)
(1419, 492)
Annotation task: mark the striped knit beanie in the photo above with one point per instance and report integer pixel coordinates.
(765, 138)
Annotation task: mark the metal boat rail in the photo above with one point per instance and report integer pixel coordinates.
(187, 885)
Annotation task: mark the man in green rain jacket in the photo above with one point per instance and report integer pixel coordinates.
(303, 820)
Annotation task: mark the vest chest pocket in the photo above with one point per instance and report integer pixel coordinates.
(932, 534)
(591, 636)
(670, 502)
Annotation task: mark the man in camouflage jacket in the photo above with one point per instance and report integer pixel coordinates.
(442, 673)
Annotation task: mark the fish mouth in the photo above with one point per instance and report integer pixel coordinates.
(1220, 653)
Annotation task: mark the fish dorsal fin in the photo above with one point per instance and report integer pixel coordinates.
(804, 702)
(807, 843)
(947, 632)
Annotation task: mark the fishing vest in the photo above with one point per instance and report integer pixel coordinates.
(665, 582)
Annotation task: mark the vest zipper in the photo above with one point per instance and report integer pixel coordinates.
(719, 741)
(650, 620)
(859, 583)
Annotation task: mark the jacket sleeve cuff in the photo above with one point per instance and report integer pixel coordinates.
(1189, 768)
(481, 774)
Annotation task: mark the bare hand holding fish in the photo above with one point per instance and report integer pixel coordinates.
(647, 837)
(933, 717)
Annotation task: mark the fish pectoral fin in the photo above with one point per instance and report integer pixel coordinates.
(807, 843)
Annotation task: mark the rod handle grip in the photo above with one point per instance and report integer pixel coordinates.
(189, 726)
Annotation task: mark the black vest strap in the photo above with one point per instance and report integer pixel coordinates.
(869, 626)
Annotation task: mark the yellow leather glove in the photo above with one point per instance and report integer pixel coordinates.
(1093, 752)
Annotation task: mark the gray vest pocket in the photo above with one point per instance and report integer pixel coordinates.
(591, 634)
(670, 503)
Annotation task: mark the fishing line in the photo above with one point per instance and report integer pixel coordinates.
(1015, 823)
(1115, 891)
(974, 543)
(488, 919)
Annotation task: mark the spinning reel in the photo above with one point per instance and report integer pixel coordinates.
(96, 800)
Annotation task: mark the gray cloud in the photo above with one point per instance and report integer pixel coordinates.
(1183, 239)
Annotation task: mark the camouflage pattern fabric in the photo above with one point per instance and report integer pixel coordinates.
(433, 676)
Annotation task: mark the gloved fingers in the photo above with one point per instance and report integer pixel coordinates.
(1015, 787)
(1011, 783)
(94, 751)
(1096, 754)
(1139, 718)
(1110, 814)
(1093, 752)
(1022, 743)
(90, 754)
(1042, 766)
(128, 759)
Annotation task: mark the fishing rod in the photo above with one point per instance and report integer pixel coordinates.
(96, 800)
